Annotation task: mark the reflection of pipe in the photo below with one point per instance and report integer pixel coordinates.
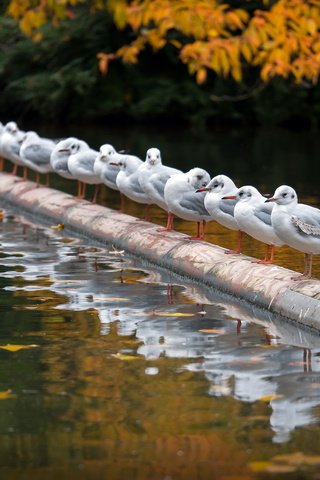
(267, 286)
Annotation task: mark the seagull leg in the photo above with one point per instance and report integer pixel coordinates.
(200, 236)
(169, 225)
(15, 169)
(1, 164)
(96, 192)
(239, 244)
(307, 268)
(269, 256)
(79, 189)
(25, 173)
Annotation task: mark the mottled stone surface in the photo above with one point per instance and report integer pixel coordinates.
(268, 286)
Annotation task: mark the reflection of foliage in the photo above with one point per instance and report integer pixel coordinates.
(59, 78)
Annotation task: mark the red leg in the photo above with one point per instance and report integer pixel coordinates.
(169, 225)
(96, 192)
(307, 268)
(199, 236)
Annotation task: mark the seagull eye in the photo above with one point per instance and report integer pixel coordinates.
(241, 194)
(284, 194)
(249, 194)
(199, 177)
(215, 185)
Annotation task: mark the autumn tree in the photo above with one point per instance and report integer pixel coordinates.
(281, 38)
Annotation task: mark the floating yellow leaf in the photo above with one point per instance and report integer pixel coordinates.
(259, 466)
(176, 314)
(59, 227)
(122, 356)
(268, 398)
(212, 330)
(6, 394)
(16, 348)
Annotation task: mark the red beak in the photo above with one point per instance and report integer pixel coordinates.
(272, 199)
(202, 189)
(229, 197)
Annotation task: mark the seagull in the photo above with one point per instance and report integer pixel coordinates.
(104, 168)
(80, 165)
(59, 157)
(183, 201)
(35, 153)
(222, 210)
(254, 218)
(128, 179)
(153, 176)
(297, 224)
(11, 140)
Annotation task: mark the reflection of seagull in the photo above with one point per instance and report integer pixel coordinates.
(153, 176)
(183, 201)
(35, 152)
(222, 211)
(298, 225)
(80, 164)
(59, 157)
(254, 217)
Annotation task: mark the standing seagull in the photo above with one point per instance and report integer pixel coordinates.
(80, 165)
(128, 179)
(183, 201)
(254, 217)
(59, 157)
(153, 176)
(35, 152)
(11, 140)
(222, 210)
(297, 224)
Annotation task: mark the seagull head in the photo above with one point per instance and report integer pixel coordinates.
(106, 153)
(220, 184)
(198, 178)
(11, 127)
(244, 194)
(153, 156)
(284, 195)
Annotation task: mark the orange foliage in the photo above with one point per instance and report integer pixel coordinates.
(281, 39)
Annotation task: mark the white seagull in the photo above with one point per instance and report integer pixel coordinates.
(59, 157)
(35, 153)
(253, 216)
(11, 140)
(80, 165)
(183, 200)
(297, 224)
(153, 176)
(222, 210)
(128, 179)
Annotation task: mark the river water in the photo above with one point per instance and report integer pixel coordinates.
(129, 372)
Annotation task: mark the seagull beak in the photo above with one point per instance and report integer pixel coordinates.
(271, 199)
(202, 189)
(64, 150)
(114, 163)
(229, 197)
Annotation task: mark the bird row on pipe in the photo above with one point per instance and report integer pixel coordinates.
(191, 196)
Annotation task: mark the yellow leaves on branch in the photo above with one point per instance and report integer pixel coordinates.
(282, 40)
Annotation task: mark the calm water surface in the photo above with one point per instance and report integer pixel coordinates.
(130, 373)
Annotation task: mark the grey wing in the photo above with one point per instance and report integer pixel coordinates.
(263, 213)
(227, 206)
(135, 184)
(87, 159)
(158, 183)
(194, 202)
(39, 154)
(307, 219)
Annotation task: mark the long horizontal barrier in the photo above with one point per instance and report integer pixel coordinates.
(267, 286)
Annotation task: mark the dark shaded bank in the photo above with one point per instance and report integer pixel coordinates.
(267, 286)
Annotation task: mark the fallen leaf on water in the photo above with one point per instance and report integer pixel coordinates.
(256, 358)
(6, 394)
(59, 227)
(122, 356)
(212, 330)
(16, 348)
(115, 251)
(259, 466)
(67, 281)
(268, 398)
(161, 314)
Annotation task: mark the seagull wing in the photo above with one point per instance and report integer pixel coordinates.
(263, 213)
(307, 219)
(227, 206)
(194, 202)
